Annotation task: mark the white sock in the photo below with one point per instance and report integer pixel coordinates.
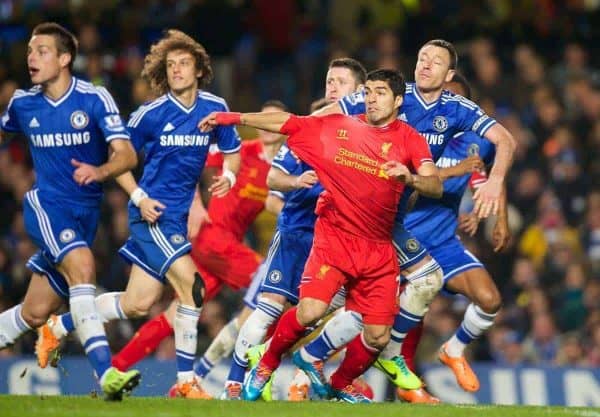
(186, 340)
(337, 333)
(474, 324)
(90, 329)
(256, 326)
(12, 326)
(109, 306)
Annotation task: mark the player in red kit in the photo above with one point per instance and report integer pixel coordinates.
(364, 164)
(217, 249)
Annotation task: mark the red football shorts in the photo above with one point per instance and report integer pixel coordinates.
(222, 259)
(368, 269)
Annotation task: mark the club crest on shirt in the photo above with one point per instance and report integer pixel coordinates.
(177, 239)
(79, 119)
(385, 149)
(275, 276)
(440, 123)
(473, 149)
(342, 134)
(67, 235)
(323, 271)
(412, 245)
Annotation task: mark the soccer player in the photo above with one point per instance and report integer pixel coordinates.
(434, 224)
(297, 185)
(438, 115)
(363, 164)
(72, 127)
(177, 67)
(218, 249)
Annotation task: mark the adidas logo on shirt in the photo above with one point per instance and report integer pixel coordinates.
(34, 123)
(168, 127)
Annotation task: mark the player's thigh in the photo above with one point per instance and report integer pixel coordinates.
(478, 286)
(40, 301)
(181, 275)
(78, 266)
(142, 292)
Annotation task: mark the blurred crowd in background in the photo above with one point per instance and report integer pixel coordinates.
(533, 65)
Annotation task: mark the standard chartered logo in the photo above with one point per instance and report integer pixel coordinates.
(355, 160)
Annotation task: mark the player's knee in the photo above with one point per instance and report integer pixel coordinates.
(310, 311)
(489, 301)
(35, 316)
(83, 272)
(198, 290)
(376, 337)
(424, 284)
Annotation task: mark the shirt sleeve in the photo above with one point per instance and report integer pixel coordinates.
(418, 148)
(9, 121)
(353, 104)
(227, 136)
(108, 117)
(304, 137)
(472, 117)
(138, 121)
(285, 160)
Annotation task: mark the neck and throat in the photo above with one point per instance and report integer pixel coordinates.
(57, 87)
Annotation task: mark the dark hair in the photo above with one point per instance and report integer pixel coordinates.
(358, 71)
(448, 47)
(274, 103)
(393, 78)
(458, 78)
(155, 63)
(66, 42)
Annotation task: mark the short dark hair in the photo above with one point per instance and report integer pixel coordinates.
(358, 71)
(274, 103)
(448, 47)
(394, 78)
(458, 78)
(66, 42)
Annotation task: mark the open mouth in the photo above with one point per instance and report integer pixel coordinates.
(33, 71)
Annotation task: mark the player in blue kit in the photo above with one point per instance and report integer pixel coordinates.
(175, 151)
(434, 224)
(72, 127)
(438, 115)
(297, 186)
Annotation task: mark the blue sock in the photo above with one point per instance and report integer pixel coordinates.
(238, 369)
(203, 367)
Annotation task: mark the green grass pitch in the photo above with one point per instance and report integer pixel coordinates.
(51, 406)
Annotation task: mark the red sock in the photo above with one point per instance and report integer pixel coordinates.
(288, 332)
(143, 343)
(359, 357)
(410, 344)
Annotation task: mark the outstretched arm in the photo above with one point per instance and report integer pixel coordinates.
(271, 121)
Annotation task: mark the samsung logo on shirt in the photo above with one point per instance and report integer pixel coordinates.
(60, 139)
(184, 140)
